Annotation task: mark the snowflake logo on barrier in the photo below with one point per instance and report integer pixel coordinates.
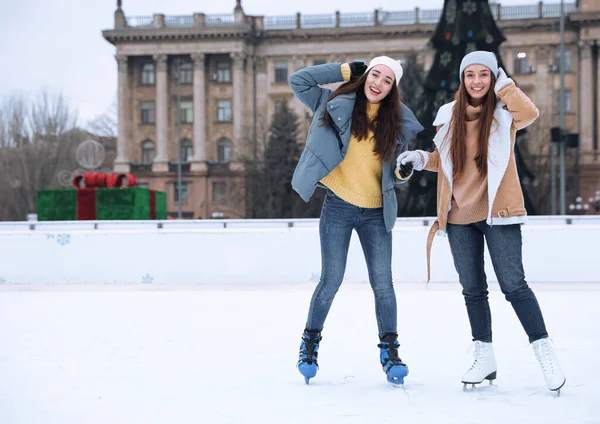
(3, 281)
(314, 276)
(469, 7)
(147, 279)
(471, 47)
(62, 239)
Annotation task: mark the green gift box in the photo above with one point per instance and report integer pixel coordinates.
(132, 203)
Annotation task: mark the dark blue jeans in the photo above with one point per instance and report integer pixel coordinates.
(338, 219)
(505, 246)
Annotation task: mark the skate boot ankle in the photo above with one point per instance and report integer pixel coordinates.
(392, 365)
(484, 365)
(307, 360)
(546, 357)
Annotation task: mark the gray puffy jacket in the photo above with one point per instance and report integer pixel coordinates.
(326, 147)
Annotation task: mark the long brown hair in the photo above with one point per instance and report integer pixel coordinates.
(458, 129)
(386, 127)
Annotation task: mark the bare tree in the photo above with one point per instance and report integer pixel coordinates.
(38, 138)
(106, 125)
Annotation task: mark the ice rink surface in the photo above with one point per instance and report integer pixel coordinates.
(112, 354)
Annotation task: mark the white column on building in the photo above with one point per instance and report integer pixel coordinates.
(121, 163)
(238, 97)
(199, 160)
(586, 107)
(161, 161)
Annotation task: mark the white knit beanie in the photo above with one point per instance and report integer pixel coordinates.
(480, 57)
(394, 65)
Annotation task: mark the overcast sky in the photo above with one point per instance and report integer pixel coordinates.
(57, 44)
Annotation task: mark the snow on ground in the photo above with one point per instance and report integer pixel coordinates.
(209, 354)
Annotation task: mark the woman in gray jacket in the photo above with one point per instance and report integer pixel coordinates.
(355, 137)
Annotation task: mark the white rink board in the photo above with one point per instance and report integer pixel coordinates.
(262, 251)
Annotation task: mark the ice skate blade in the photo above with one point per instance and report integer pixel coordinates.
(490, 377)
(557, 390)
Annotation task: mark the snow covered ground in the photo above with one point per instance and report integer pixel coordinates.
(213, 354)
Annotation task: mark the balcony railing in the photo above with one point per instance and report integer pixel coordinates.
(141, 167)
(337, 19)
(185, 167)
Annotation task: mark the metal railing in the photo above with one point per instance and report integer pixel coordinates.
(179, 21)
(333, 20)
(357, 19)
(216, 20)
(317, 21)
(140, 21)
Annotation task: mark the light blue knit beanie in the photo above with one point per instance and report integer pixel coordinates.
(480, 57)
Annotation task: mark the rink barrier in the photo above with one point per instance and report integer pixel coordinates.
(200, 224)
(262, 251)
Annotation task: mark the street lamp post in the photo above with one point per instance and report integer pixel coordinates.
(179, 182)
(563, 141)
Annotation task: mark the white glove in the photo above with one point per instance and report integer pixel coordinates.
(502, 81)
(418, 158)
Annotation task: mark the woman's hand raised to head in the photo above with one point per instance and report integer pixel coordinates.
(502, 81)
(357, 69)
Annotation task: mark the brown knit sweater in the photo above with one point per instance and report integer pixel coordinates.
(470, 194)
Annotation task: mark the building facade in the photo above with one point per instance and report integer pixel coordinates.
(227, 74)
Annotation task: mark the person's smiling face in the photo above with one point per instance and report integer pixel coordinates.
(379, 83)
(477, 80)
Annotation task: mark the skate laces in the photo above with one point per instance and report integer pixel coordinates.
(543, 353)
(479, 354)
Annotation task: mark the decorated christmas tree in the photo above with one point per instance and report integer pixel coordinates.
(464, 26)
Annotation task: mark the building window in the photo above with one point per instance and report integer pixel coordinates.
(567, 62)
(319, 62)
(142, 185)
(521, 63)
(568, 104)
(147, 112)
(224, 111)
(359, 59)
(147, 152)
(148, 74)
(281, 71)
(185, 72)
(186, 112)
(184, 192)
(187, 152)
(224, 150)
(223, 72)
(219, 192)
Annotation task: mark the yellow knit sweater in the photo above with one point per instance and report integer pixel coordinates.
(357, 179)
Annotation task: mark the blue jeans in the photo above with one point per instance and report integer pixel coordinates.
(505, 246)
(338, 219)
